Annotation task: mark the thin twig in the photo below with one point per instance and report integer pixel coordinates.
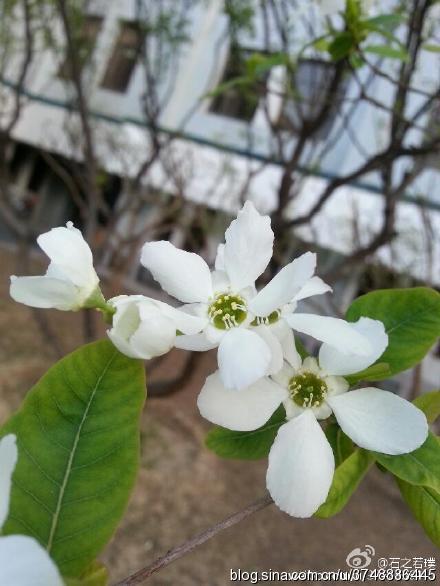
(185, 548)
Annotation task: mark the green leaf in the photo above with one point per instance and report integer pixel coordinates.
(411, 318)
(78, 444)
(300, 348)
(341, 444)
(432, 48)
(322, 44)
(377, 371)
(341, 45)
(425, 506)
(429, 403)
(386, 21)
(421, 467)
(388, 52)
(346, 479)
(246, 445)
(95, 575)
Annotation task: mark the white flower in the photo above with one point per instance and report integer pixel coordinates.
(220, 299)
(23, 561)
(144, 327)
(249, 328)
(70, 281)
(301, 462)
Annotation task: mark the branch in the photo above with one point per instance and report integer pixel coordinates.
(187, 547)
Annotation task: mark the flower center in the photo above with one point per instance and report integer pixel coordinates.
(268, 319)
(227, 311)
(307, 389)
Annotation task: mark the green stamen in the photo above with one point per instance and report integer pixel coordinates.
(268, 319)
(307, 389)
(227, 311)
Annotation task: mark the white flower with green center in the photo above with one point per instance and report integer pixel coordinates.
(23, 561)
(144, 328)
(301, 462)
(250, 329)
(70, 282)
(220, 299)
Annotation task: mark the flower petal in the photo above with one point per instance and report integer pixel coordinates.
(243, 358)
(141, 327)
(184, 275)
(195, 342)
(301, 466)
(8, 459)
(248, 247)
(45, 293)
(331, 330)
(380, 421)
(287, 341)
(276, 349)
(284, 286)
(185, 322)
(243, 410)
(70, 254)
(314, 286)
(220, 258)
(154, 336)
(24, 562)
(335, 362)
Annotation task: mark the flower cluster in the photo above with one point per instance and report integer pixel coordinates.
(259, 367)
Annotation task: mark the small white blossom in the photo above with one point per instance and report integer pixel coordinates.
(145, 328)
(301, 462)
(23, 561)
(70, 281)
(250, 329)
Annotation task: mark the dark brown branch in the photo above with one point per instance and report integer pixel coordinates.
(185, 548)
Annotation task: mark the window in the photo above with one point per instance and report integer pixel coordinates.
(238, 101)
(124, 57)
(307, 90)
(85, 41)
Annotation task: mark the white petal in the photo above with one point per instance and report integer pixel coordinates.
(220, 281)
(287, 341)
(142, 327)
(8, 459)
(243, 358)
(196, 343)
(380, 421)
(276, 350)
(335, 362)
(331, 330)
(248, 247)
(310, 364)
(243, 410)
(44, 292)
(70, 254)
(220, 258)
(154, 336)
(314, 286)
(23, 562)
(284, 286)
(184, 275)
(184, 321)
(301, 466)
(283, 376)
